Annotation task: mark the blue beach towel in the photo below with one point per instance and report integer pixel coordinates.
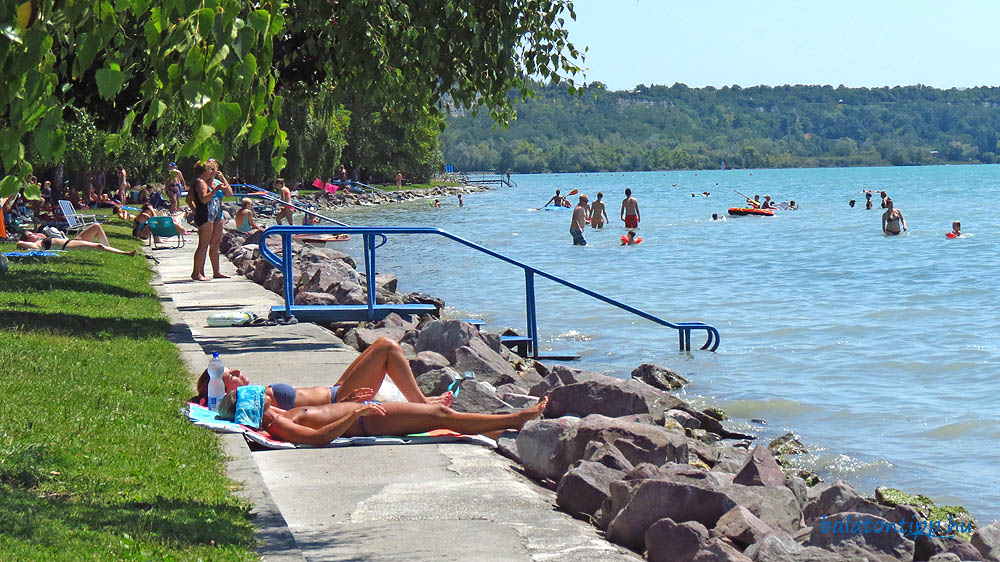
(202, 416)
(31, 254)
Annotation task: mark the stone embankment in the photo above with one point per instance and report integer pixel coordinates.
(656, 474)
(367, 197)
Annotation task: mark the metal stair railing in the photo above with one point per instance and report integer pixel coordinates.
(274, 198)
(372, 311)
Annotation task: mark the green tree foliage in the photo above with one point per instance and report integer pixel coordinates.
(216, 66)
(659, 127)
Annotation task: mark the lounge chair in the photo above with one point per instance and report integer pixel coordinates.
(163, 227)
(75, 221)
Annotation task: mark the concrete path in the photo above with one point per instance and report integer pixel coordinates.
(407, 503)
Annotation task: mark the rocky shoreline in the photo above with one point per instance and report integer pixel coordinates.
(654, 473)
(325, 200)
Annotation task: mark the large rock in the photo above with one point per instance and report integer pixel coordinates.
(487, 364)
(316, 299)
(839, 497)
(612, 398)
(436, 382)
(445, 337)
(363, 338)
(479, 397)
(647, 501)
(423, 298)
(427, 361)
(741, 527)
(326, 276)
(658, 377)
(857, 535)
(637, 442)
(312, 254)
(667, 541)
(545, 385)
(386, 282)
(787, 444)
(608, 455)
(584, 488)
(541, 446)
(760, 470)
(718, 551)
(572, 375)
(779, 548)
(987, 541)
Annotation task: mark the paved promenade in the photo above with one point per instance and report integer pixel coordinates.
(409, 503)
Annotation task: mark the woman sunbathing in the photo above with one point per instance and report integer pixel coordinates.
(83, 241)
(360, 381)
(319, 425)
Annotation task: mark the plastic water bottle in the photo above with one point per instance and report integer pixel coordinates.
(216, 388)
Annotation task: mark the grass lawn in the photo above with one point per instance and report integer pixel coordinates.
(96, 463)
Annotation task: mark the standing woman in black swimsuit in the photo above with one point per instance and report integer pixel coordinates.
(84, 241)
(208, 215)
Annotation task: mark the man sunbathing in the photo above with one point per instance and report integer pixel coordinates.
(319, 425)
(360, 381)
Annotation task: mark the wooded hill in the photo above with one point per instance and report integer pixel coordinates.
(677, 127)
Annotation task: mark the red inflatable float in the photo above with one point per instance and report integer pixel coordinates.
(740, 211)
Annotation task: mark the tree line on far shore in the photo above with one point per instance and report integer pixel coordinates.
(677, 127)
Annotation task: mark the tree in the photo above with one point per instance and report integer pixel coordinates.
(217, 64)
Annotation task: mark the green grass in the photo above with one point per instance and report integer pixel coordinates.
(96, 463)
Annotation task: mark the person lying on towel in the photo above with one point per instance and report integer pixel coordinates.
(319, 425)
(360, 381)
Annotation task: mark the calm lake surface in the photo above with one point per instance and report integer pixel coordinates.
(880, 352)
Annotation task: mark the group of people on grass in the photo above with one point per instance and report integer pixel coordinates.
(317, 415)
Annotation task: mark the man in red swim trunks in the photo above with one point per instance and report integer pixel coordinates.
(630, 210)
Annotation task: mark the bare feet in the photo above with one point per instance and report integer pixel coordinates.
(220, 276)
(199, 277)
(532, 412)
(445, 399)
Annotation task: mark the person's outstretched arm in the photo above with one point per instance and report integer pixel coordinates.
(288, 430)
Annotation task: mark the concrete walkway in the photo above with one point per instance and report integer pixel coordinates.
(411, 502)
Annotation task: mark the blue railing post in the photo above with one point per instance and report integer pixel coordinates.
(370, 273)
(286, 262)
(529, 300)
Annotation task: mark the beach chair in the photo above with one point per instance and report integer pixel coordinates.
(76, 221)
(163, 227)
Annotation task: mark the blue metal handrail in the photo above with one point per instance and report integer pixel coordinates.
(369, 233)
(276, 199)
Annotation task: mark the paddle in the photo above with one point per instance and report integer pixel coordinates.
(747, 197)
(574, 192)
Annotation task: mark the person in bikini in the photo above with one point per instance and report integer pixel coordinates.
(319, 425)
(286, 196)
(892, 219)
(598, 212)
(360, 381)
(83, 241)
(174, 183)
(630, 210)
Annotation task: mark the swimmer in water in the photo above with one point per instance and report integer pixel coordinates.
(716, 217)
(892, 219)
(956, 230)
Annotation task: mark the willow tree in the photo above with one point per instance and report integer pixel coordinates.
(219, 63)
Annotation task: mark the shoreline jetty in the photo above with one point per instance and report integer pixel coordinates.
(651, 471)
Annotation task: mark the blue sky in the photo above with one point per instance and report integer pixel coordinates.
(856, 43)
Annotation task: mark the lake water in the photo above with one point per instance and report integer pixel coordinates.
(880, 352)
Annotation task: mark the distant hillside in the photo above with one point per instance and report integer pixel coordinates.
(677, 127)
